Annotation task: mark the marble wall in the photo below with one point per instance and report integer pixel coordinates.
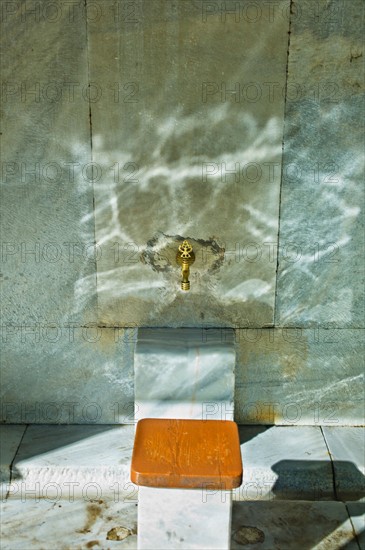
(191, 107)
(130, 126)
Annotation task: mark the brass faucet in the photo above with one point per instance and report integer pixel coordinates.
(185, 257)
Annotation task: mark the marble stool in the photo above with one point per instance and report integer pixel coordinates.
(186, 470)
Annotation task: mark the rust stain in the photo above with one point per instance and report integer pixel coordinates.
(279, 352)
(93, 512)
(92, 543)
(119, 533)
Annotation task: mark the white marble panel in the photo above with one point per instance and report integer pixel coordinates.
(293, 376)
(321, 244)
(184, 373)
(48, 256)
(67, 375)
(190, 97)
(183, 519)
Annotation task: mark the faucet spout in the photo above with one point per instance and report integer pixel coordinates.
(185, 283)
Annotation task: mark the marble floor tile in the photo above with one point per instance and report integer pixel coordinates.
(82, 525)
(10, 438)
(284, 463)
(347, 448)
(63, 462)
(65, 525)
(291, 525)
(356, 512)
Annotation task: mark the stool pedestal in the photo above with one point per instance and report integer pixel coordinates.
(186, 470)
(184, 373)
(183, 519)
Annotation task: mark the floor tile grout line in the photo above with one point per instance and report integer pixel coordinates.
(332, 464)
(282, 160)
(352, 526)
(13, 460)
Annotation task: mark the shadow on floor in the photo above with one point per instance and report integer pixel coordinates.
(247, 432)
(310, 480)
(284, 525)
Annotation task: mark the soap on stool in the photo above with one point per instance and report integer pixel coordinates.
(186, 470)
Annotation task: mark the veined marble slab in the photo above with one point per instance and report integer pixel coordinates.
(184, 373)
(293, 376)
(67, 375)
(188, 137)
(48, 253)
(321, 247)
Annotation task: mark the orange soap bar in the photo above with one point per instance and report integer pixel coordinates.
(186, 454)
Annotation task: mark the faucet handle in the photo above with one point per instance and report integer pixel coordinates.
(185, 248)
(185, 257)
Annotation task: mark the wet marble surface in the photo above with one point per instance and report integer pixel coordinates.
(184, 373)
(168, 133)
(172, 114)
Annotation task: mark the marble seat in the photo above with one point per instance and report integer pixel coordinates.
(186, 470)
